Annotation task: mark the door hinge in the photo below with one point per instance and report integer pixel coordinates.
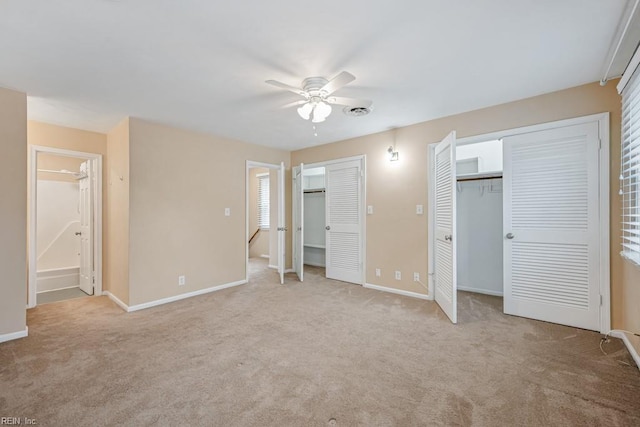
(600, 299)
(93, 279)
(599, 144)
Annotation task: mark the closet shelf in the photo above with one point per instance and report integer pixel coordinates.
(309, 245)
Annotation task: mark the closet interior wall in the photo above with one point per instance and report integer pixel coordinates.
(479, 236)
(314, 218)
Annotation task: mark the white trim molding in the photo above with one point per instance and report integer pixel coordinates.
(629, 341)
(131, 308)
(15, 335)
(397, 291)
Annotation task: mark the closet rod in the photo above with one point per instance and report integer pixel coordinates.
(76, 175)
(478, 178)
(313, 191)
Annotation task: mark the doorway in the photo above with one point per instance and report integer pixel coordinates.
(555, 222)
(265, 250)
(65, 225)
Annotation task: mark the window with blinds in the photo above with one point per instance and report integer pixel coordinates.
(263, 201)
(630, 168)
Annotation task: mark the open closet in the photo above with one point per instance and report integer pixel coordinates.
(328, 221)
(314, 200)
(546, 188)
(479, 217)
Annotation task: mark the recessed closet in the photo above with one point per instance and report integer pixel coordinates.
(479, 218)
(314, 199)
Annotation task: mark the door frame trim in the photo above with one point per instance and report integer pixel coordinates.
(603, 120)
(34, 150)
(363, 204)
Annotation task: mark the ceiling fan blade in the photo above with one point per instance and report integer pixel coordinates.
(349, 102)
(337, 82)
(294, 104)
(287, 87)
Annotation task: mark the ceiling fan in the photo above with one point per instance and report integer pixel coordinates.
(318, 96)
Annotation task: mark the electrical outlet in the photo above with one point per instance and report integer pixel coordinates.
(416, 277)
(377, 272)
(398, 275)
(227, 211)
(182, 280)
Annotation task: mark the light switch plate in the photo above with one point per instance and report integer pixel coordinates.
(419, 209)
(370, 210)
(227, 211)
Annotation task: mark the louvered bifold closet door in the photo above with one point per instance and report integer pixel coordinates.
(445, 226)
(343, 216)
(551, 250)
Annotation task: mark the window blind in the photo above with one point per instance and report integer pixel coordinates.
(263, 201)
(630, 167)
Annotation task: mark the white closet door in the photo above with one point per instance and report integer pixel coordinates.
(298, 221)
(343, 218)
(551, 249)
(445, 227)
(281, 223)
(86, 232)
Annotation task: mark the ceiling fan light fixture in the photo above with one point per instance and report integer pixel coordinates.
(321, 112)
(305, 110)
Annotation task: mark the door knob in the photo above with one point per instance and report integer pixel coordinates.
(327, 227)
(510, 236)
(78, 233)
(448, 237)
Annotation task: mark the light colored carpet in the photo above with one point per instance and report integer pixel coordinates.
(60, 295)
(313, 354)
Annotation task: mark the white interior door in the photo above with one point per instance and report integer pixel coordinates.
(298, 221)
(445, 227)
(551, 231)
(344, 221)
(281, 223)
(86, 229)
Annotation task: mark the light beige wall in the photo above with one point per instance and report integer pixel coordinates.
(13, 211)
(260, 244)
(397, 237)
(181, 181)
(630, 298)
(116, 238)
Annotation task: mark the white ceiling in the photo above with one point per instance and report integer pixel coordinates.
(201, 64)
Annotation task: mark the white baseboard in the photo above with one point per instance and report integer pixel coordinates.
(632, 342)
(289, 270)
(117, 300)
(315, 264)
(397, 291)
(480, 291)
(15, 335)
(275, 267)
(265, 256)
(56, 279)
(131, 308)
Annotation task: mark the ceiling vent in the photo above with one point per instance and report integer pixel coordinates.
(356, 111)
